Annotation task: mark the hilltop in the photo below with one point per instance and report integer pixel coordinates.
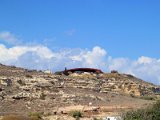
(23, 91)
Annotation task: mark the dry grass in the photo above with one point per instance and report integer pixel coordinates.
(35, 115)
(15, 117)
(112, 75)
(19, 117)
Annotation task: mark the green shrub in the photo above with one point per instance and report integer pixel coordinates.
(35, 115)
(150, 113)
(148, 97)
(76, 114)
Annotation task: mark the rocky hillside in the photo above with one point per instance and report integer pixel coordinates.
(23, 91)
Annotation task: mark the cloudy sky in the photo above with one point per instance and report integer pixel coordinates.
(109, 35)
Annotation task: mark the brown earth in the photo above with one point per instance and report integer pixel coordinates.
(23, 91)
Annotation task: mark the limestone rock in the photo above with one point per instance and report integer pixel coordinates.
(6, 82)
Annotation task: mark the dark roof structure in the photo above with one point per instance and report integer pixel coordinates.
(84, 70)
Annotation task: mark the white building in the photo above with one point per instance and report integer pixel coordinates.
(113, 118)
(47, 71)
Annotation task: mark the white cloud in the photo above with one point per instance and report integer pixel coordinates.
(94, 58)
(145, 60)
(41, 57)
(9, 38)
(144, 67)
(118, 63)
(44, 58)
(8, 54)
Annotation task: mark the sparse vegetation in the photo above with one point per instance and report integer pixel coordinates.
(35, 115)
(51, 94)
(76, 114)
(29, 76)
(58, 73)
(42, 96)
(148, 97)
(97, 118)
(114, 71)
(150, 113)
(21, 82)
(112, 75)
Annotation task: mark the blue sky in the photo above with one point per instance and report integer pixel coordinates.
(132, 27)
(119, 30)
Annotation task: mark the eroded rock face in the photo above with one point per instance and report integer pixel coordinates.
(50, 91)
(23, 95)
(34, 86)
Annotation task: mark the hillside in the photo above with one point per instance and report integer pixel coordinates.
(23, 91)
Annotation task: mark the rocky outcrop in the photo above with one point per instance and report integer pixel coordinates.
(23, 95)
(5, 81)
(38, 90)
